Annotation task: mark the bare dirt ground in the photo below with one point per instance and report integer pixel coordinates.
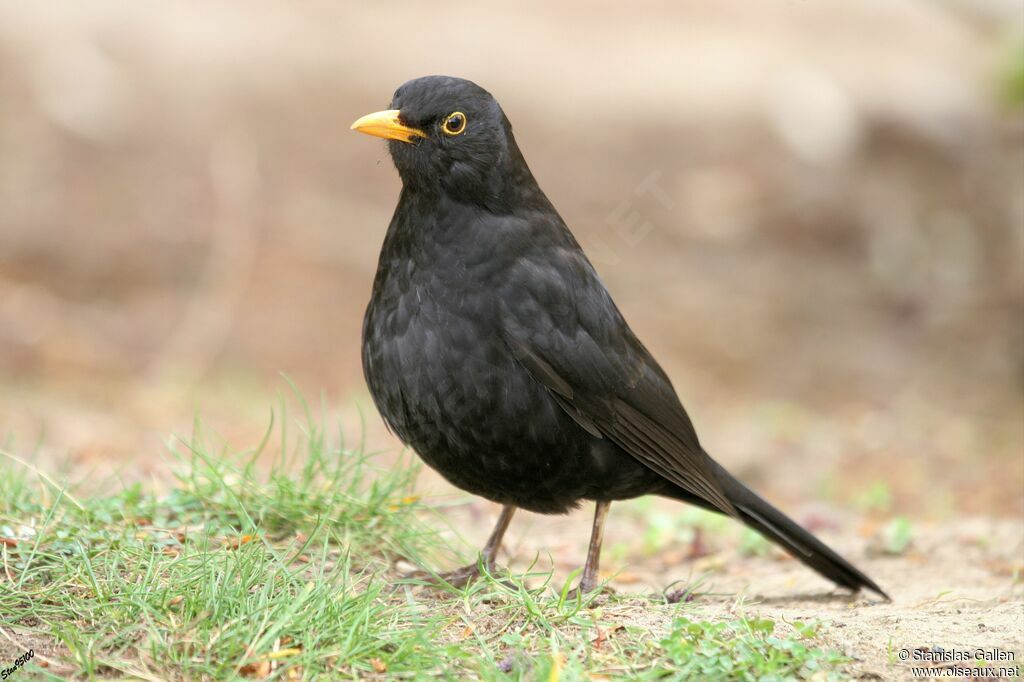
(957, 586)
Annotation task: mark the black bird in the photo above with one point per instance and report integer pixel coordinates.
(492, 348)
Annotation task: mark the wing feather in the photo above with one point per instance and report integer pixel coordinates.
(561, 324)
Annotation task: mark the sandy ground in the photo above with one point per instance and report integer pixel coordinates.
(957, 586)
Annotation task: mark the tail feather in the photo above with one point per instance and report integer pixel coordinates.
(779, 528)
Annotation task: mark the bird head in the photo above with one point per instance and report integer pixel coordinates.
(449, 134)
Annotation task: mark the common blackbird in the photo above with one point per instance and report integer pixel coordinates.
(492, 348)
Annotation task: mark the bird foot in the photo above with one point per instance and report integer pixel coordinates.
(460, 577)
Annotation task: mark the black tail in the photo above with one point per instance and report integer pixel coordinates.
(780, 529)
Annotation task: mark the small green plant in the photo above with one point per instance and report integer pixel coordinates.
(897, 536)
(746, 649)
(876, 498)
(753, 543)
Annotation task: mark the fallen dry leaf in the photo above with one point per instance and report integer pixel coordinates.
(256, 669)
(235, 543)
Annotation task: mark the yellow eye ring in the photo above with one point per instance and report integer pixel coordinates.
(454, 124)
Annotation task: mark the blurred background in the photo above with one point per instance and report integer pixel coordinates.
(811, 212)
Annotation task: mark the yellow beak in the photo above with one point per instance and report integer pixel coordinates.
(386, 124)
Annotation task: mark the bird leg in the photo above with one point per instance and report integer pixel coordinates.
(461, 576)
(591, 569)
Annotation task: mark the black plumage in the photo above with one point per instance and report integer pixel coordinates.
(493, 349)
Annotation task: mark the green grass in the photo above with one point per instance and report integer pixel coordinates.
(285, 569)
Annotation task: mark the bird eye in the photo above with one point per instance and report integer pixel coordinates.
(455, 123)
